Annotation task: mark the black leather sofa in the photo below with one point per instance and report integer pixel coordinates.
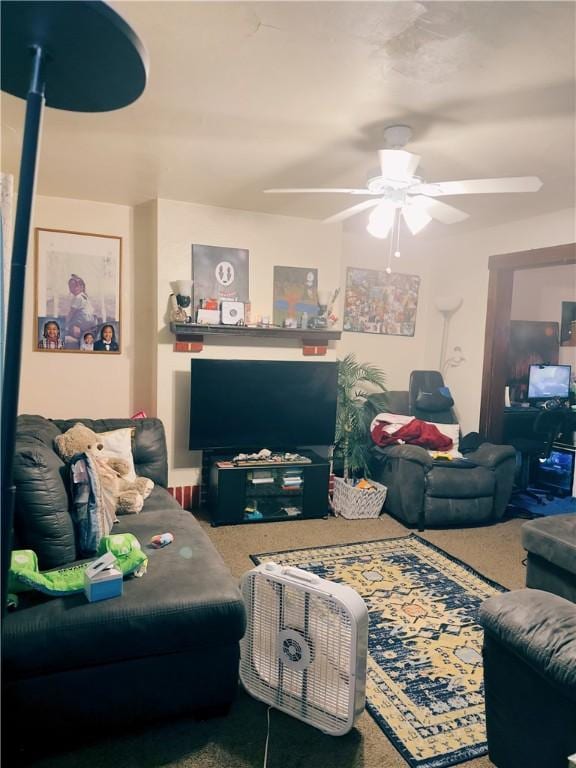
(167, 647)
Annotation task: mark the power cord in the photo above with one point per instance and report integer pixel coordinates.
(267, 737)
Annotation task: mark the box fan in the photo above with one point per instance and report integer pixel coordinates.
(305, 647)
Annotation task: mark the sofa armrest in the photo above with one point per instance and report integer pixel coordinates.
(539, 628)
(491, 456)
(412, 453)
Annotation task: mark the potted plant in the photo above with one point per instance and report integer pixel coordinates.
(356, 381)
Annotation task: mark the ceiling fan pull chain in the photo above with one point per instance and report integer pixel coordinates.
(397, 251)
(388, 269)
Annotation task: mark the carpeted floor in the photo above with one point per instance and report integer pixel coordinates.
(238, 740)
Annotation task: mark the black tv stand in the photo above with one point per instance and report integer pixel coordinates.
(267, 491)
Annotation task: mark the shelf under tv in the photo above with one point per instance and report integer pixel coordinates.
(190, 337)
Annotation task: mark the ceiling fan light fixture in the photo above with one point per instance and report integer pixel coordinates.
(381, 219)
(398, 164)
(416, 218)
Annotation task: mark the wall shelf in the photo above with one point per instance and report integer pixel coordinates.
(190, 337)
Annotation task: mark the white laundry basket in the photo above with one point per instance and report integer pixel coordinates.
(353, 503)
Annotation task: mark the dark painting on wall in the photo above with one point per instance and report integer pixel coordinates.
(295, 292)
(531, 342)
(220, 273)
(568, 324)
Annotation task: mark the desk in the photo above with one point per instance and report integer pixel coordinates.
(518, 422)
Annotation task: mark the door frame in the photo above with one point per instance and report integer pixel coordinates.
(497, 333)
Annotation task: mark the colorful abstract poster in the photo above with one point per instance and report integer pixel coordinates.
(295, 292)
(376, 302)
(220, 273)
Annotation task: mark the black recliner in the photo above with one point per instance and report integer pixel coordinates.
(423, 491)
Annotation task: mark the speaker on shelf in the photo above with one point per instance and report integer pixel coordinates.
(232, 312)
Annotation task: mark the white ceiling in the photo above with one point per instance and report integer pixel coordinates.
(245, 96)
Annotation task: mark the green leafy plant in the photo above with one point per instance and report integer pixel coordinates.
(356, 381)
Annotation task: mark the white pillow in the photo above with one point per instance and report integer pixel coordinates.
(453, 432)
(394, 421)
(118, 445)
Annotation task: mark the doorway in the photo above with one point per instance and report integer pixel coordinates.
(497, 334)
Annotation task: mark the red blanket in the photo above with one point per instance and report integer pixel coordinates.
(416, 432)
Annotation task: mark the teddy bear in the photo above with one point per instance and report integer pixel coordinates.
(128, 495)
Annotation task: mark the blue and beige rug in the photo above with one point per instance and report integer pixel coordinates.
(424, 685)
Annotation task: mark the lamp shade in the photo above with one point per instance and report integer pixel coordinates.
(381, 219)
(416, 218)
(183, 287)
(448, 303)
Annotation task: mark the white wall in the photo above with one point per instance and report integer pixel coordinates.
(460, 266)
(396, 355)
(66, 385)
(538, 293)
(271, 240)
(145, 307)
(149, 374)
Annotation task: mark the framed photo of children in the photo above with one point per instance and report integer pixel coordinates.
(77, 292)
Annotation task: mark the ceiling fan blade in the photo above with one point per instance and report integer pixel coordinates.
(398, 164)
(443, 212)
(481, 186)
(352, 211)
(314, 190)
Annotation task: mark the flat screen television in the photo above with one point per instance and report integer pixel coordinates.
(252, 404)
(548, 381)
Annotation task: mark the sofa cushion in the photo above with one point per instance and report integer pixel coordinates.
(41, 518)
(186, 600)
(539, 628)
(37, 428)
(459, 480)
(553, 539)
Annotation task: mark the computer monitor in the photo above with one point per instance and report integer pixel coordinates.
(546, 382)
(556, 472)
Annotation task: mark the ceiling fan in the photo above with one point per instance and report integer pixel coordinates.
(397, 189)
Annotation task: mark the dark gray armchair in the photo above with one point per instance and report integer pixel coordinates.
(423, 491)
(529, 656)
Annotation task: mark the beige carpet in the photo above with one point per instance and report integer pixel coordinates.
(237, 741)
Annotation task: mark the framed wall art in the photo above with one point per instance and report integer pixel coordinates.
(220, 273)
(295, 292)
(531, 342)
(377, 302)
(77, 292)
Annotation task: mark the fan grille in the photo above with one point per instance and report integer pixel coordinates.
(297, 653)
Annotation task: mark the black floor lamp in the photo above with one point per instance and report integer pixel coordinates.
(68, 54)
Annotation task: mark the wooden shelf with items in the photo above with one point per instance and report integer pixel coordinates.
(190, 337)
(268, 491)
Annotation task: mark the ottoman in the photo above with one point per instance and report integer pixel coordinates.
(551, 546)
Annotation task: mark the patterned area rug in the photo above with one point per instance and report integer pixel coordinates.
(424, 686)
